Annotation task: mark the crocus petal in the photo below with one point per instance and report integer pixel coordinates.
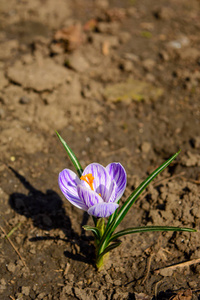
(68, 182)
(117, 174)
(102, 179)
(102, 210)
(111, 193)
(88, 197)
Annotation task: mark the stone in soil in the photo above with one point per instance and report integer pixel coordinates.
(77, 62)
(42, 76)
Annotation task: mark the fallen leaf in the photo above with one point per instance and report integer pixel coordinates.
(71, 37)
(116, 14)
(142, 296)
(90, 25)
(132, 90)
(183, 295)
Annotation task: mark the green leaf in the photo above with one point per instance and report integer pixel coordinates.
(72, 156)
(133, 197)
(111, 218)
(129, 202)
(13, 230)
(101, 226)
(95, 230)
(146, 229)
(94, 220)
(74, 160)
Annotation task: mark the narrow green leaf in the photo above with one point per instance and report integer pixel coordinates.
(94, 220)
(101, 226)
(129, 202)
(133, 197)
(71, 155)
(105, 238)
(95, 230)
(13, 230)
(108, 249)
(146, 229)
(112, 217)
(74, 160)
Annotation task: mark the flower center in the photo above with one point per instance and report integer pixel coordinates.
(89, 179)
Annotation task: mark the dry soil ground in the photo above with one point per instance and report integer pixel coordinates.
(120, 81)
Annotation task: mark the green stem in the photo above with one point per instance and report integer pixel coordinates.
(100, 224)
(101, 260)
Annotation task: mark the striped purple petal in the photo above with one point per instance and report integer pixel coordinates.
(118, 175)
(111, 193)
(88, 197)
(68, 182)
(102, 210)
(102, 179)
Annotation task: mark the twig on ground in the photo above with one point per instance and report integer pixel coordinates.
(179, 265)
(168, 178)
(13, 246)
(148, 267)
(191, 180)
(66, 269)
(122, 149)
(156, 287)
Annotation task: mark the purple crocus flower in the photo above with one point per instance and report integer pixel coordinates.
(97, 191)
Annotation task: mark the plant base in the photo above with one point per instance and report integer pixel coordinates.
(100, 262)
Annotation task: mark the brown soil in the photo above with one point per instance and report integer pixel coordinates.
(120, 82)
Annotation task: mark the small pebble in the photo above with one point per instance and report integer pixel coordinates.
(2, 281)
(145, 147)
(2, 113)
(196, 142)
(126, 66)
(26, 290)
(19, 296)
(192, 284)
(24, 100)
(124, 37)
(117, 282)
(166, 272)
(41, 296)
(11, 267)
(148, 64)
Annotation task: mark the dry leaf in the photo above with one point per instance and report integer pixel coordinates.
(116, 14)
(72, 37)
(106, 48)
(142, 296)
(183, 295)
(90, 25)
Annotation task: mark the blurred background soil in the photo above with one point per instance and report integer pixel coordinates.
(120, 81)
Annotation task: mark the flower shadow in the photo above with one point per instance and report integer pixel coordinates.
(47, 212)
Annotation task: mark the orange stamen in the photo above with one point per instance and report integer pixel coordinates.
(89, 179)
